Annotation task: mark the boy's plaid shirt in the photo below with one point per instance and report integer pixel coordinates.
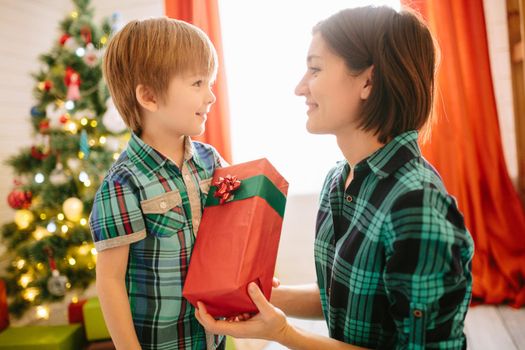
(393, 256)
(147, 202)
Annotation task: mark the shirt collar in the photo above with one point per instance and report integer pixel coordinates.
(393, 155)
(149, 160)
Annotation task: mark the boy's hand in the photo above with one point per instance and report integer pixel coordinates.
(270, 323)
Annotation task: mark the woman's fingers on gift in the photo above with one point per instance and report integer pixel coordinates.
(259, 299)
(205, 318)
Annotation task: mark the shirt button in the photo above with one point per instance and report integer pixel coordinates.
(417, 313)
(163, 205)
(349, 199)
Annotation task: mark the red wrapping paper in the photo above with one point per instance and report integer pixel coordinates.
(74, 312)
(4, 310)
(236, 244)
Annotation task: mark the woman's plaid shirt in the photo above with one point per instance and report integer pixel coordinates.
(393, 256)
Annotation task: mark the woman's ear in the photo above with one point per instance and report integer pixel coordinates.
(146, 98)
(367, 75)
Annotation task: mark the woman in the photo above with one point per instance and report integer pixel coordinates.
(392, 254)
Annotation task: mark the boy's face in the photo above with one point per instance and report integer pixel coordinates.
(187, 102)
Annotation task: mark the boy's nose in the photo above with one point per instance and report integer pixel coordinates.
(211, 98)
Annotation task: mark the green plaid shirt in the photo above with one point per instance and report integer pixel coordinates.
(147, 202)
(393, 256)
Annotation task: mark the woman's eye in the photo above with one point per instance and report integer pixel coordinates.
(314, 70)
(198, 83)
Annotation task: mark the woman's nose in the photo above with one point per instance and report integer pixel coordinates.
(301, 88)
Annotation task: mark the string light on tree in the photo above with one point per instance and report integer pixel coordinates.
(20, 264)
(42, 312)
(52, 227)
(31, 293)
(25, 279)
(40, 233)
(39, 178)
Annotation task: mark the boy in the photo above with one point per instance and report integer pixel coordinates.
(147, 210)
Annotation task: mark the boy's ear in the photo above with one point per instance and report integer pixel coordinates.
(146, 98)
(367, 86)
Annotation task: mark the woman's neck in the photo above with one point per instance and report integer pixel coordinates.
(357, 145)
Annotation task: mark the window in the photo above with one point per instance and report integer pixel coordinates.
(265, 46)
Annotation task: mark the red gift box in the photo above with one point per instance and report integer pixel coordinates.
(237, 240)
(74, 312)
(4, 310)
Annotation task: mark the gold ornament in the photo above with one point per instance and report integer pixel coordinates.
(23, 218)
(73, 207)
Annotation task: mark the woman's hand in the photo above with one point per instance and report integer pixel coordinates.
(246, 316)
(270, 323)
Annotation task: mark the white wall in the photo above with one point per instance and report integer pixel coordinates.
(497, 34)
(27, 29)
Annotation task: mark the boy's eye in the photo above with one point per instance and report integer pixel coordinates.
(198, 83)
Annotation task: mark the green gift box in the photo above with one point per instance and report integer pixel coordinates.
(94, 321)
(68, 337)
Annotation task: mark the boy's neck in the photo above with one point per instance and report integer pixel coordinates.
(171, 146)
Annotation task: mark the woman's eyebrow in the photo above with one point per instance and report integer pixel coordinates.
(312, 57)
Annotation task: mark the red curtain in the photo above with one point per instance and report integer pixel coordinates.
(205, 15)
(466, 149)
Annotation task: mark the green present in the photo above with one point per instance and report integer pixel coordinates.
(68, 337)
(94, 321)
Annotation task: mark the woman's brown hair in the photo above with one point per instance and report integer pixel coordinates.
(401, 50)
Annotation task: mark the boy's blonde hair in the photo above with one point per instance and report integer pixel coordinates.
(151, 52)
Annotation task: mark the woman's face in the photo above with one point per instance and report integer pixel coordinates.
(333, 94)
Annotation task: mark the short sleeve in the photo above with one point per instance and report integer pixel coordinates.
(428, 272)
(116, 218)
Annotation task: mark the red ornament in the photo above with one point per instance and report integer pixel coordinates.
(38, 154)
(225, 186)
(72, 81)
(44, 126)
(71, 77)
(18, 199)
(85, 32)
(64, 118)
(64, 38)
(48, 84)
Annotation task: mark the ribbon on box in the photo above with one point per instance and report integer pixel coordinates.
(258, 185)
(225, 186)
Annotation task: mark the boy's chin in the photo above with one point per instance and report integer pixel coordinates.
(198, 132)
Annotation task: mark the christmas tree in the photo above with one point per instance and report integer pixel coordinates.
(77, 135)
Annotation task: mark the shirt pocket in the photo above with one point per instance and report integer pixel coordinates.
(204, 186)
(164, 214)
